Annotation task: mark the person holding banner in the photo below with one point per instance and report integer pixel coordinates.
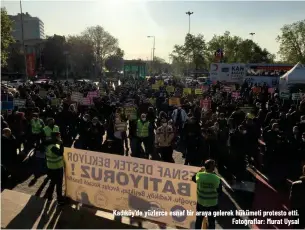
(209, 188)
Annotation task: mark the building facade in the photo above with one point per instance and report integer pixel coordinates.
(33, 27)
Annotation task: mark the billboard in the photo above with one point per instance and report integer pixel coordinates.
(224, 72)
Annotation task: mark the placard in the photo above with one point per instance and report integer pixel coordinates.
(77, 96)
(20, 103)
(55, 101)
(285, 94)
(174, 101)
(235, 95)
(198, 91)
(187, 91)
(205, 104)
(297, 96)
(155, 86)
(170, 89)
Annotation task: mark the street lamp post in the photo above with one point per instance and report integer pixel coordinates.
(23, 43)
(189, 13)
(252, 34)
(153, 49)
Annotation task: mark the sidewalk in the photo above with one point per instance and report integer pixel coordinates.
(23, 211)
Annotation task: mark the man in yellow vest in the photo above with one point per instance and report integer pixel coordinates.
(208, 190)
(144, 132)
(47, 130)
(37, 126)
(55, 164)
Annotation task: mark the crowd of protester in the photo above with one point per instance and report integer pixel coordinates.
(270, 136)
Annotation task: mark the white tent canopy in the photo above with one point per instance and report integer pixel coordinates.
(294, 76)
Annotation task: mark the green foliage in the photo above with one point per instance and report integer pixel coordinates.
(80, 54)
(292, 42)
(195, 53)
(103, 42)
(115, 62)
(6, 37)
(54, 54)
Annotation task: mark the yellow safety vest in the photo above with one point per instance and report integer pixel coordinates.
(54, 161)
(207, 185)
(36, 126)
(142, 129)
(48, 131)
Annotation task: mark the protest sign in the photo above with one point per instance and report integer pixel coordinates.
(174, 101)
(271, 90)
(152, 101)
(205, 104)
(187, 91)
(155, 86)
(285, 94)
(205, 88)
(235, 95)
(227, 89)
(93, 94)
(117, 183)
(247, 109)
(20, 103)
(131, 112)
(77, 96)
(87, 101)
(198, 91)
(55, 101)
(160, 83)
(170, 89)
(7, 105)
(297, 96)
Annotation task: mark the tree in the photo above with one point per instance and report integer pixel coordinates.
(80, 55)
(54, 54)
(115, 62)
(15, 59)
(192, 54)
(237, 49)
(103, 42)
(292, 42)
(6, 37)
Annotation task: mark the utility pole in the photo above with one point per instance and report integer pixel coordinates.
(189, 13)
(23, 43)
(153, 49)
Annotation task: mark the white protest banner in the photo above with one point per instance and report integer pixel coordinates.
(77, 96)
(119, 183)
(20, 103)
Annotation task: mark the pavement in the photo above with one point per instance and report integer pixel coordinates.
(255, 194)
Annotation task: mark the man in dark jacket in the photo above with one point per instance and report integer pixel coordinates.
(297, 200)
(8, 150)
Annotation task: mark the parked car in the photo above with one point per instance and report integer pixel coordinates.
(9, 89)
(18, 82)
(44, 81)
